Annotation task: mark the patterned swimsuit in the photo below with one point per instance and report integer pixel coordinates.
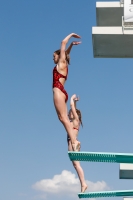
(57, 83)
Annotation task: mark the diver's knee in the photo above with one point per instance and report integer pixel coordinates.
(75, 165)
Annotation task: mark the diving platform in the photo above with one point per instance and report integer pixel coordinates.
(112, 42)
(126, 171)
(113, 35)
(109, 13)
(119, 193)
(101, 157)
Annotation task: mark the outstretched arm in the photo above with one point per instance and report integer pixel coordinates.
(63, 47)
(73, 101)
(71, 45)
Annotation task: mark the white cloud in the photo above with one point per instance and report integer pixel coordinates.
(67, 183)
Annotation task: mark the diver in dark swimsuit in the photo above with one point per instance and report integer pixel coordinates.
(61, 59)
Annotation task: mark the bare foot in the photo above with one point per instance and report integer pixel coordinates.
(83, 188)
(76, 146)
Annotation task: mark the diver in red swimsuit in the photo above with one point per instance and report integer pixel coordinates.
(61, 59)
(75, 120)
(57, 83)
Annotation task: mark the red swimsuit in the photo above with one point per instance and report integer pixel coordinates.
(57, 83)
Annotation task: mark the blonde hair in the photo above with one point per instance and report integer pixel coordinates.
(67, 55)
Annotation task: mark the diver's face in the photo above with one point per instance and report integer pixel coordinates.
(55, 58)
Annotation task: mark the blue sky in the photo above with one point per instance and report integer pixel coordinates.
(33, 148)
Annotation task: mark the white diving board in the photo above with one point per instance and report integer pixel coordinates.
(112, 42)
(126, 171)
(119, 193)
(101, 157)
(109, 13)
